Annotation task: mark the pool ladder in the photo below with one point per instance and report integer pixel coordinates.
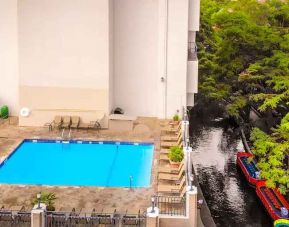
(68, 135)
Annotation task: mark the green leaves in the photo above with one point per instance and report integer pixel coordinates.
(176, 154)
(48, 198)
(270, 151)
(244, 58)
(214, 90)
(237, 103)
(244, 48)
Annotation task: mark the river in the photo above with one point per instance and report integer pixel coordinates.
(231, 200)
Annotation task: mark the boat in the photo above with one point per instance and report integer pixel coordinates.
(274, 202)
(249, 168)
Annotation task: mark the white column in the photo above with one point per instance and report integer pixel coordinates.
(152, 217)
(38, 215)
(192, 206)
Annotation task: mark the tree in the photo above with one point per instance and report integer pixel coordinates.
(244, 61)
(244, 53)
(271, 151)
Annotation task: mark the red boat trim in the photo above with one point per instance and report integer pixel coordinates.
(272, 200)
(253, 181)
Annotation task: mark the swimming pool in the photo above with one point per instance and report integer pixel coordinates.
(79, 163)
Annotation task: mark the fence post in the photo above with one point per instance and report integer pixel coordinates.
(38, 215)
(192, 205)
(152, 217)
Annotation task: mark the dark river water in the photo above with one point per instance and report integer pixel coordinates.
(231, 200)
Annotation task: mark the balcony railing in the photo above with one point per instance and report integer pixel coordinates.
(171, 205)
(192, 51)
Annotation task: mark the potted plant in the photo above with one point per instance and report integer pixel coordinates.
(176, 155)
(176, 118)
(48, 198)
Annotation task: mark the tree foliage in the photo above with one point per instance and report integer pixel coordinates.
(244, 50)
(244, 60)
(271, 151)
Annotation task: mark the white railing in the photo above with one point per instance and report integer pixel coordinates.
(187, 148)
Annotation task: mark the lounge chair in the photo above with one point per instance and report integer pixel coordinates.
(94, 125)
(176, 189)
(178, 197)
(167, 144)
(91, 125)
(164, 151)
(173, 138)
(172, 128)
(171, 169)
(164, 123)
(66, 122)
(74, 122)
(56, 123)
(171, 176)
(131, 218)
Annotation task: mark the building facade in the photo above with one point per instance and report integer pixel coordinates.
(85, 58)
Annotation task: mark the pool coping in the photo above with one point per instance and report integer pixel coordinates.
(79, 141)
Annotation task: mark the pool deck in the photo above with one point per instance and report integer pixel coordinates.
(80, 197)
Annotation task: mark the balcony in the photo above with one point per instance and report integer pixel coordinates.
(194, 15)
(192, 51)
(192, 70)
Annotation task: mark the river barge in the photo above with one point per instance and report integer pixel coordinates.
(248, 167)
(274, 202)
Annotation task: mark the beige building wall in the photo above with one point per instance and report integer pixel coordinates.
(64, 58)
(87, 57)
(111, 55)
(8, 55)
(151, 43)
(136, 56)
(177, 55)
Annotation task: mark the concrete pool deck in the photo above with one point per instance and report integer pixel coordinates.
(12, 135)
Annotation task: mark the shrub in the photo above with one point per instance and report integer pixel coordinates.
(4, 112)
(48, 198)
(176, 154)
(176, 117)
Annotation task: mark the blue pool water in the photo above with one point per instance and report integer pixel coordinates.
(77, 163)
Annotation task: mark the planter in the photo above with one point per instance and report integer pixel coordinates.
(174, 122)
(174, 164)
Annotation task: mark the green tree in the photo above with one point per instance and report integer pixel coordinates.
(244, 60)
(271, 151)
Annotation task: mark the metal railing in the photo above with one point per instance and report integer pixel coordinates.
(15, 218)
(171, 205)
(192, 51)
(68, 219)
